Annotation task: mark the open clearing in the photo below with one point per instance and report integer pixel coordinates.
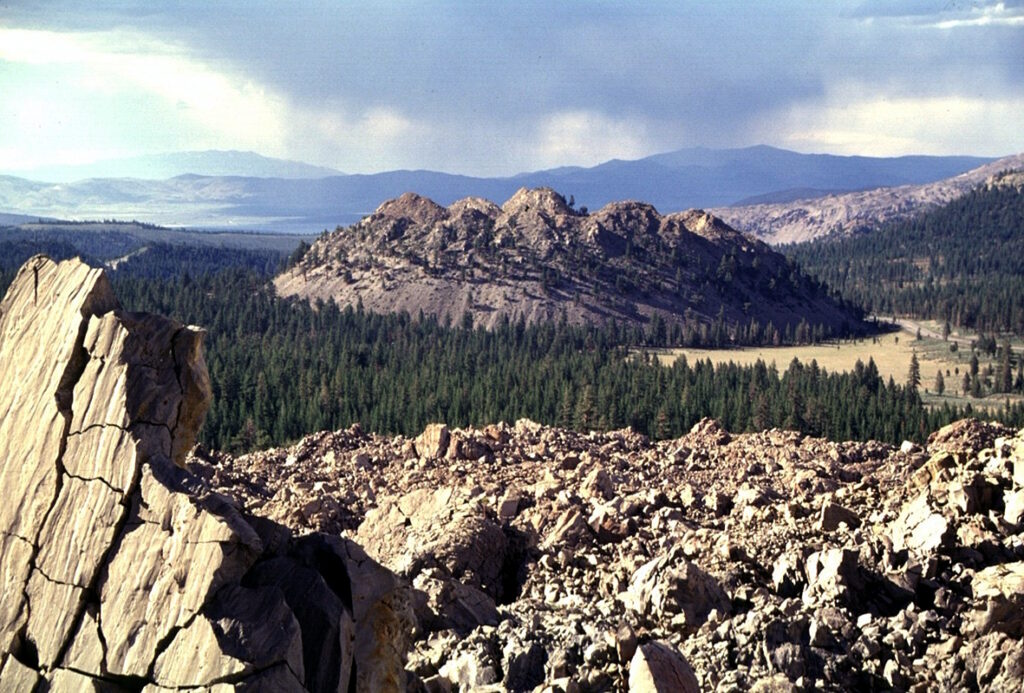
(891, 353)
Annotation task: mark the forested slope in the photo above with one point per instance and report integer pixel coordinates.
(962, 263)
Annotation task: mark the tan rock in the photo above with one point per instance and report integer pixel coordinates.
(153, 585)
(833, 515)
(999, 600)
(1013, 504)
(657, 667)
(833, 575)
(453, 605)
(441, 528)
(15, 676)
(114, 561)
(598, 485)
(671, 586)
(44, 313)
(384, 620)
(433, 442)
(920, 528)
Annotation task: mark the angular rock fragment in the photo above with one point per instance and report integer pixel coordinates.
(999, 598)
(833, 515)
(920, 528)
(833, 576)
(671, 586)
(433, 442)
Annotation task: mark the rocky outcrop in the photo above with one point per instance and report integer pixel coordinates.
(119, 568)
(538, 258)
(805, 220)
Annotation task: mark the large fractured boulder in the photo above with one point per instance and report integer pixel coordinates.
(452, 549)
(115, 562)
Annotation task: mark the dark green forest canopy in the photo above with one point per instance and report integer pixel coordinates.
(962, 263)
(281, 369)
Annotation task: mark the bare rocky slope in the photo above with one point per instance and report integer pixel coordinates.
(806, 220)
(538, 259)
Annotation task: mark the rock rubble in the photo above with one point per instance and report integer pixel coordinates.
(550, 560)
(508, 557)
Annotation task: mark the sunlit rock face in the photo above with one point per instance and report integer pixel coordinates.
(116, 563)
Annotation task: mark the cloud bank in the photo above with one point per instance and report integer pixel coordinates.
(497, 88)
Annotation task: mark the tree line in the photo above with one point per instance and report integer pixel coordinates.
(283, 368)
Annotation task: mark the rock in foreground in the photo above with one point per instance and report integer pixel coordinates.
(118, 569)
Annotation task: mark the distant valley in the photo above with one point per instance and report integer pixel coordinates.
(242, 191)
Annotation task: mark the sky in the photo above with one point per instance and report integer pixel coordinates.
(495, 88)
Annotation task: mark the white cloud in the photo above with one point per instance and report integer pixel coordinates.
(854, 121)
(585, 138)
(129, 71)
(994, 15)
(121, 94)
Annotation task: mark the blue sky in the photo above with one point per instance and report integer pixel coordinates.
(492, 88)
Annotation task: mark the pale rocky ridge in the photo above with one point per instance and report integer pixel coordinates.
(805, 220)
(119, 570)
(539, 259)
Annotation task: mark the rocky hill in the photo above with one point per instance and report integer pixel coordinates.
(805, 220)
(510, 557)
(538, 258)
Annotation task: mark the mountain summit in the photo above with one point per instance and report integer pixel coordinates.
(539, 258)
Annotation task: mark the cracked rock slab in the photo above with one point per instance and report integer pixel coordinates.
(114, 559)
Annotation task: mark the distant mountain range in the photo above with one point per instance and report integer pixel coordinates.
(163, 166)
(241, 190)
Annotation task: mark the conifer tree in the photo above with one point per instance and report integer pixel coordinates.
(914, 374)
(1005, 381)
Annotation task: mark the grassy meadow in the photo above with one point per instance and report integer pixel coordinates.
(892, 353)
